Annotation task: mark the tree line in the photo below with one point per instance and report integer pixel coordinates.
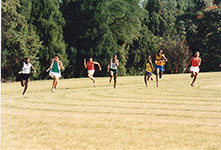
(132, 29)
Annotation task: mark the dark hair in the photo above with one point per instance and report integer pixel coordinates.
(196, 52)
(160, 50)
(56, 55)
(147, 58)
(26, 59)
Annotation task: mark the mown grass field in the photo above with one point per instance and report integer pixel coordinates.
(174, 116)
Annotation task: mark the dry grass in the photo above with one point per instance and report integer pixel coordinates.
(174, 116)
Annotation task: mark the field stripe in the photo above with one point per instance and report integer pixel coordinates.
(103, 112)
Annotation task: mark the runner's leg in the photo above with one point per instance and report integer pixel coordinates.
(194, 78)
(157, 74)
(111, 76)
(26, 86)
(161, 73)
(115, 80)
(22, 80)
(192, 74)
(145, 79)
(90, 75)
(54, 83)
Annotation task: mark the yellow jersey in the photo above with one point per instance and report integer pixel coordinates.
(148, 67)
(158, 58)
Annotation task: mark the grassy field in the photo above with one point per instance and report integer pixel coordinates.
(174, 116)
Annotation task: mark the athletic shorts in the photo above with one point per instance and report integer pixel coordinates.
(161, 68)
(55, 74)
(148, 73)
(115, 71)
(91, 72)
(194, 69)
(26, 76)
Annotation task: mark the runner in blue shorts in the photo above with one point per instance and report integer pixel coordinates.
(148, 70)
(159, 65)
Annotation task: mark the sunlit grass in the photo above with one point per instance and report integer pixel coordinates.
(78, 116)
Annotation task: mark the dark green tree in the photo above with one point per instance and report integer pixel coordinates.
(19, 40)
(47, 19)
(100, 29)
(209, 37)
(203, 33)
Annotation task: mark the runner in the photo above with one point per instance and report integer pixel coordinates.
(26, 74)
(112, 68)
(159, 65)
(194, 69)
(90, 66)
(55, 72)
(149, 70)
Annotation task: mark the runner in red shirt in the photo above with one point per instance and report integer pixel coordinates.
(194, 69)
(90, 67)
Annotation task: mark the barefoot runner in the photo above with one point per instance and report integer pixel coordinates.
(55, 72)
(112, 68)
(26, 74)
(90, 67)
(159, 65)
(194, 69)
(149, 70)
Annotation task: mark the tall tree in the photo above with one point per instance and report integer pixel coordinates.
(100, 28)
(47, 19)
(209, 37)
(126, 25)
(19, 40)
(203, 33)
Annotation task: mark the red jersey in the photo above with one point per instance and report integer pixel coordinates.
(90, 66)
(195, 61)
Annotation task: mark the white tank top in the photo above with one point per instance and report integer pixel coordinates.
(26, 69)
(113, 65)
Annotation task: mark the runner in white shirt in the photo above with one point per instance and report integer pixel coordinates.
(26, 74)
(113, 69)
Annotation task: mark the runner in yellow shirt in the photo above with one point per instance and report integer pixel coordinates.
(149, 70)
(159, 64)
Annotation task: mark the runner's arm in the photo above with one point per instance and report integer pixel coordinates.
(144, 67)
(199, 62)
(108, 66)
(50, 66)
(33, 69)
(96, 63)
(20, 72)
(186, 66)
(165, 58)
(151, 64)
(61, 65)
(117, 63)
(85, 65)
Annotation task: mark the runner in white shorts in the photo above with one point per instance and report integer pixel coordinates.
(90, 67)
(55, 73)
(194, 69)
